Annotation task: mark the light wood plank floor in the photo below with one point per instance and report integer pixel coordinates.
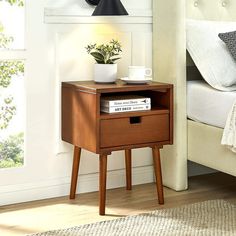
(21, 219)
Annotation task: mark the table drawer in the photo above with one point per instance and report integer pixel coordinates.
(134, 130)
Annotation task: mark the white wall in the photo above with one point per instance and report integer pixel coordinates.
(129, 4)
(55, 53)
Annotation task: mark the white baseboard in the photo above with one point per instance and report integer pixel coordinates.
(60, 187)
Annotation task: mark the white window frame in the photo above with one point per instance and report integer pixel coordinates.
(16, 54)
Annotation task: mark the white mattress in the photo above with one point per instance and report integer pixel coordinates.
(208, 105)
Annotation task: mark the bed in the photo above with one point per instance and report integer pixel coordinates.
(195, 141)
(206, 121)
(208, 107)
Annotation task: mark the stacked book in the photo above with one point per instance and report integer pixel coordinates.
(125, 103)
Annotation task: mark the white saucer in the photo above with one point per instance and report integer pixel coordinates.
(136, 81)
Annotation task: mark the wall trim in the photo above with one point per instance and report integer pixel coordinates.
(12, 194)
(74, 16)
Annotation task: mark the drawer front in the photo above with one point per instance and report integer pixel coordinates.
(134, 130)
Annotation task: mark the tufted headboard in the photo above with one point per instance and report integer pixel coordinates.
(220, 10)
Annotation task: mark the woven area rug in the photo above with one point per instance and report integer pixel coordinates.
(215, 217)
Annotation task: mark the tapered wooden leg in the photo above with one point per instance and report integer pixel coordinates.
(157, 168)
(102, 183)
(128, 168)
(75, 170)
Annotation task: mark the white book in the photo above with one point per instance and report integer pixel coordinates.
(124, 100)
(116, 109)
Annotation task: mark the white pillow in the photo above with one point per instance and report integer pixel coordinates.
(210, 54)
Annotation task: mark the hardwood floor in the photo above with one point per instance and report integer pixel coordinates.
(21, 219)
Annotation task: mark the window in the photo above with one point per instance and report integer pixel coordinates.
(12, 92)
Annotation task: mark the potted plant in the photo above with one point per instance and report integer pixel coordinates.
(106, 55)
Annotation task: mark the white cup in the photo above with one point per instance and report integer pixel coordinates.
(139, 72)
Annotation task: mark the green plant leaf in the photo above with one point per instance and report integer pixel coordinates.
(110, 62)
(106, 58)
(105, 53)
(99, 62)
(98, 56)
(115, 58)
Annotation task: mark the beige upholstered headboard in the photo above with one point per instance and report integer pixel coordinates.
(218, 10)
(169, 64)
(224, 10)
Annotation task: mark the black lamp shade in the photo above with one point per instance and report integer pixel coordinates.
(109, 8)
(93, 2)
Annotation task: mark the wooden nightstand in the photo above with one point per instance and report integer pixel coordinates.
(84, 126)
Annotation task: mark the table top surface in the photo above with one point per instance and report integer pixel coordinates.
(118, 86)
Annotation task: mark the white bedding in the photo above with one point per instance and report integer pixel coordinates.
(210, 54)
(229, 134)
(208, 105)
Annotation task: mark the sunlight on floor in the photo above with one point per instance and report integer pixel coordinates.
(41, 218)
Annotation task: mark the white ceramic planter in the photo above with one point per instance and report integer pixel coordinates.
(105, 73)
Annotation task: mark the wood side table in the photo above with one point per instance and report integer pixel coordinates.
(85, 126)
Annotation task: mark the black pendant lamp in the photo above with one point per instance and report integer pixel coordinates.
(108, 8)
